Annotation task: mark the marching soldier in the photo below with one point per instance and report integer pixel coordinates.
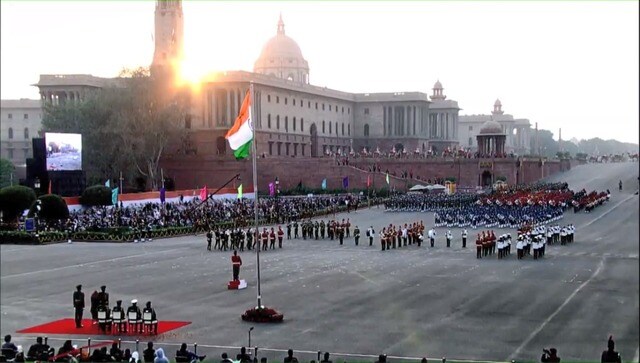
(209, 237)
(348, 227)
(289, 230)
(316, 228)
(464, 238)
(370, 233)
(241, 237)
(448, 236)
(295, 229)
(383, 238)
(265, 239)
(249, 239)
(272, 239)
(218, 244)
(341, 234)
(405, 235)
(432, 236)
(322, 229)
(280, 236)
(520, 247)
(356, 234)
(479, 246)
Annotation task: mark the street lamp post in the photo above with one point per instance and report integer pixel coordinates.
(36, 185)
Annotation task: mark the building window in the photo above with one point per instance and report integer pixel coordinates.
(286, 123)
(308, 104)
(330, 127)
(349, 110)
(343, 110)
(316, 105)
(336, 108)
(221, 145)
(471, 141)
(269, 121)
(294, 124)
(323, 107)
(26, 116)
(285, 100)
(342, 129)
(10, 132)
(26, 133)
(277, 99)
(10, 116)
(10, 153)
(278, 122)
(26, 153)
(349, 129)
(366, 130)
(270, 148)
(366, 111)
(302, 128)
(268, 98)
(294, 101)
(329, 107)
(470, 128)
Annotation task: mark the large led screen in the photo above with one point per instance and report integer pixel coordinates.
(64, 151)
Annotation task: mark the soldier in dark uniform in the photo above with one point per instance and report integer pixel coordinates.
(135, 309)
(356, 234)
(341, 234)
(265, 239)
(154, 318)
(272, 239)
(322, 229)
(289, 230)
(610, 355)
(218, 244)
(295, 229)
(103, 297)
(116, 310)
(209, 237)
(316, 228)
(78, 305)
(249, 239)
(347, 227)
(479, 247)
(241, 239)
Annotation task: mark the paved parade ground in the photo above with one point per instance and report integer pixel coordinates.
(410, 302)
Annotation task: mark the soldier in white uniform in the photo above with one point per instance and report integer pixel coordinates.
(370, 234)
(520, 247)
(432, 236)
(448, 236)
(464, 238)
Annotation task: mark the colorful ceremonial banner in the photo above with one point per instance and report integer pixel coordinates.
(240, 192)
(108, 183)
(114, 196)
(324, 184)
(345, 182)
(387, 178)
(368, 181)
(203, 193)
(272, 189)
(162, 195)
(241, 134)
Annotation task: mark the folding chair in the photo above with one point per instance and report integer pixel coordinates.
(133, 320)
(149, 325)
(118, 321)
(104, 320)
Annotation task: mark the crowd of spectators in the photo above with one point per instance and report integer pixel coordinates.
(70, 353)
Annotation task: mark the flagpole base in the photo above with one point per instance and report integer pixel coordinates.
(262, 314)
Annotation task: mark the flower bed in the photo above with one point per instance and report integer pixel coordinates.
(262, 315)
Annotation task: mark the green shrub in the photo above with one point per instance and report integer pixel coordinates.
(14, 200)
(97, 195)
(52, 208)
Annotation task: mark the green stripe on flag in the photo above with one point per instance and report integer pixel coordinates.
(243, 151)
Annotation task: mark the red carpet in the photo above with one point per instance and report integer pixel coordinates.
(68, 327)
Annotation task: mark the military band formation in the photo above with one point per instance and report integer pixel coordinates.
(533, 210)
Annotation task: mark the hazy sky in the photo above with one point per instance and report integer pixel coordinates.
(562, 64)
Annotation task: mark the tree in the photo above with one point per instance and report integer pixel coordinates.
(14, 200)
(52, 207)
(6, 172)
(126, 126)
(96, 195)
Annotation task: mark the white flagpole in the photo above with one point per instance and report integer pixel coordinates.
(255, 186)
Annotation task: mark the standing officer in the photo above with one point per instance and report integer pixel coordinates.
(316, 230)
(356, 234)
(249, 239)
(322, 229)
(236, 261)
(464, 238)
(265, 239)
(289, 230)
(341, 233)
(448, 236)
(370, 233)
(78, 305)
(272, 239)
(103, 297)
(479, 246)
(295, 229)
(209, 237)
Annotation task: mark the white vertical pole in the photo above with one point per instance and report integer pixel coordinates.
(255, 185)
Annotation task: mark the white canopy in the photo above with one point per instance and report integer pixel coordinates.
(417, 188)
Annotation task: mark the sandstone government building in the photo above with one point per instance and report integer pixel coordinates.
(295, 119)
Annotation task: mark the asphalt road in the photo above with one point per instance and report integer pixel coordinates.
(409, 302)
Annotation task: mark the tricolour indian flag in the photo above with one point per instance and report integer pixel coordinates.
(241, 134)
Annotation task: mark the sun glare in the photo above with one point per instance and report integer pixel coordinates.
(192, 73)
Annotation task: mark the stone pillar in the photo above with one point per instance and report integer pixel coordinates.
(228, 106)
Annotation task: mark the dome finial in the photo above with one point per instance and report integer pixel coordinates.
(280, 25)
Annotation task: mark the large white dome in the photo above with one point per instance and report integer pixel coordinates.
(281, 57)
